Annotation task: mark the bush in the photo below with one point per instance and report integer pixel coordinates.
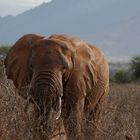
(4, 50)
(135, 67)
(1, 68)
(122, 76)
(111, 78)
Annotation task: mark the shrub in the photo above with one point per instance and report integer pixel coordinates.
(135, 67)
(122, 76)
(111, 78)
(4, 50)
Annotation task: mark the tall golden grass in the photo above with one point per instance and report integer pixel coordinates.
(120, 117)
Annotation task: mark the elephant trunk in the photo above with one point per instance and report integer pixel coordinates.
(47, 92)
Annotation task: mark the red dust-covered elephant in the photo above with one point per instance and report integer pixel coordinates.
(66, 77)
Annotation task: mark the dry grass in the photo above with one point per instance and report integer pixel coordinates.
(120, 118)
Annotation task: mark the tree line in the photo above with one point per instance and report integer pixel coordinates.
(132, 74)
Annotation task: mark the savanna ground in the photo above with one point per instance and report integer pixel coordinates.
(120, 118)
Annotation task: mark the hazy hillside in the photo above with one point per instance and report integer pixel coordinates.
(112, 24)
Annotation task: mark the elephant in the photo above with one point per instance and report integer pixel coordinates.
(66, 77)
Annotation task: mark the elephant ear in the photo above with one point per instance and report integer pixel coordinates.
(17, 60)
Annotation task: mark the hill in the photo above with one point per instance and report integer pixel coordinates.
(112, 25)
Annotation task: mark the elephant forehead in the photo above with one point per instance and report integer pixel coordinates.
(47, 59)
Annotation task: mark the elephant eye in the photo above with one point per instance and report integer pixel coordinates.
(65, 66)
(31, 66)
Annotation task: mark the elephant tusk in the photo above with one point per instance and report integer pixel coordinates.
(59, 109)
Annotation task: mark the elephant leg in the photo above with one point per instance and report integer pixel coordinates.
(91, 122)
(73, 122)
(93, 111)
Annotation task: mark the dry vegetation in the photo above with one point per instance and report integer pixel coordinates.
(120, 118)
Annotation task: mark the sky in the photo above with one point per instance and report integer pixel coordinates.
(14, 7)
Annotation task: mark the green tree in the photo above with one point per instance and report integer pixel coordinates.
(122, 76)
(135, 67)
(4, 50)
